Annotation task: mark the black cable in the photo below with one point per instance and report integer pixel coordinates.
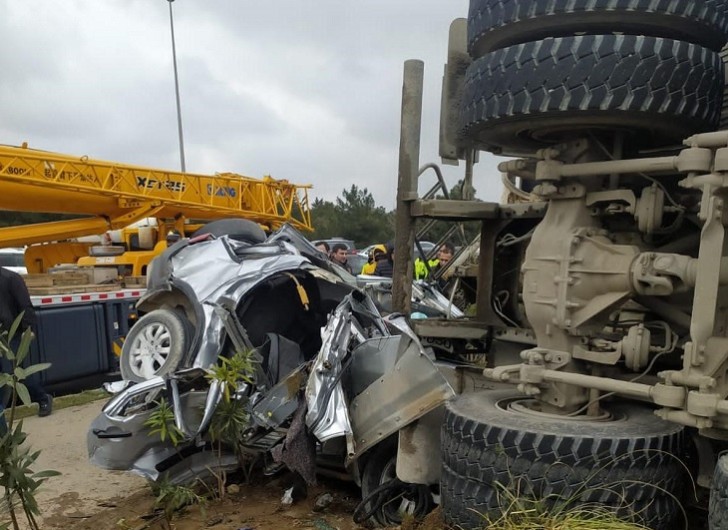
(419, 492)
(377, 500)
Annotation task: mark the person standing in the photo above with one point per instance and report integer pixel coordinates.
(385, 265)
(14, 300)
(445, 253)
(323, 246)
(377, 253)
(338, 256)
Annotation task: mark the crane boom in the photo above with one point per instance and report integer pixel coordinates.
(117, 195)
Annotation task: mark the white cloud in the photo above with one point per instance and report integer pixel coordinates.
(302, 90)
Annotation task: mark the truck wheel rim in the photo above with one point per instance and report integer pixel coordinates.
(531, 407)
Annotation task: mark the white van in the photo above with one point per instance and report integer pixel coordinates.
(13, 259)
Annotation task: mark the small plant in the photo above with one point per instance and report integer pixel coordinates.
(231, 417)
(17, 478)
(226, 428)
(172, 498)
(169, 498)
(233, 371)
(162, 422)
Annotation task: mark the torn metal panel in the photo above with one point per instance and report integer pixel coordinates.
(354, 321)
(426, 297)
(118, 438)
(280, 402)
(408, 391)
(429, 296)
(327, 415)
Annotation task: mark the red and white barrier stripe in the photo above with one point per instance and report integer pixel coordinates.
(82, 298)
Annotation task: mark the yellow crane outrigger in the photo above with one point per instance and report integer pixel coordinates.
(114, 195)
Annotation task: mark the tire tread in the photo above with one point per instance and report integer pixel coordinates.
(494, 24)
(668, 89)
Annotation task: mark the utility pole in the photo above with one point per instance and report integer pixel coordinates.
(176, 91)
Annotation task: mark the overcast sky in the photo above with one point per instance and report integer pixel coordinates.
(301, 90)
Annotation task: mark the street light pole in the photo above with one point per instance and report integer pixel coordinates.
(176, 90)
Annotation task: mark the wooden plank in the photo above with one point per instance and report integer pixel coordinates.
(451, 329)
(74, 289)
(38, 280)
(135, 281)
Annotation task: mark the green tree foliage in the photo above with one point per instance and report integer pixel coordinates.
(324, 219)
(355, 216)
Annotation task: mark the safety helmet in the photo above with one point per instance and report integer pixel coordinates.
(377, 249)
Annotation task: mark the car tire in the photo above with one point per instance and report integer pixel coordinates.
(531, 95)
(396, 502)
(155, 345)
(495, 24)
(629, 463)
(718, 505)
(239, 229)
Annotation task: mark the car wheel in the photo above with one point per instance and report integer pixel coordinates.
(155, 345)
(238, 229)
(535, 94)
(496, 444)
(495, 24)
(387, 501)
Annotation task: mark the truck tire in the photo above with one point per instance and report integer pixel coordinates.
(628, 463)
(724, 109)
(535, 94)
(386, 500)
(155, 345)
(238, 229)
(495, 24)
(718, 506)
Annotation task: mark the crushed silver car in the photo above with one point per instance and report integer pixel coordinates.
(332, 375)
(370, 378)
(280, 284)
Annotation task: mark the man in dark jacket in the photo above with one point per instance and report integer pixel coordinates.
(14, 299)
(385, 265)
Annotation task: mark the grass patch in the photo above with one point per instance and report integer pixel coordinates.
(533, 514)
(577, 519)
(61, 402)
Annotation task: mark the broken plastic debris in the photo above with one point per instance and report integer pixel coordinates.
(322, 502)
(287, 498)
(114, 387)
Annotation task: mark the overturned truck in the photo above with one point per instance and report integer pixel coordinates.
(601, 283)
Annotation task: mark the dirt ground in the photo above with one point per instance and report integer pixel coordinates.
(88, 498)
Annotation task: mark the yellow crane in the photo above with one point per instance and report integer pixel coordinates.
(112, 196)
